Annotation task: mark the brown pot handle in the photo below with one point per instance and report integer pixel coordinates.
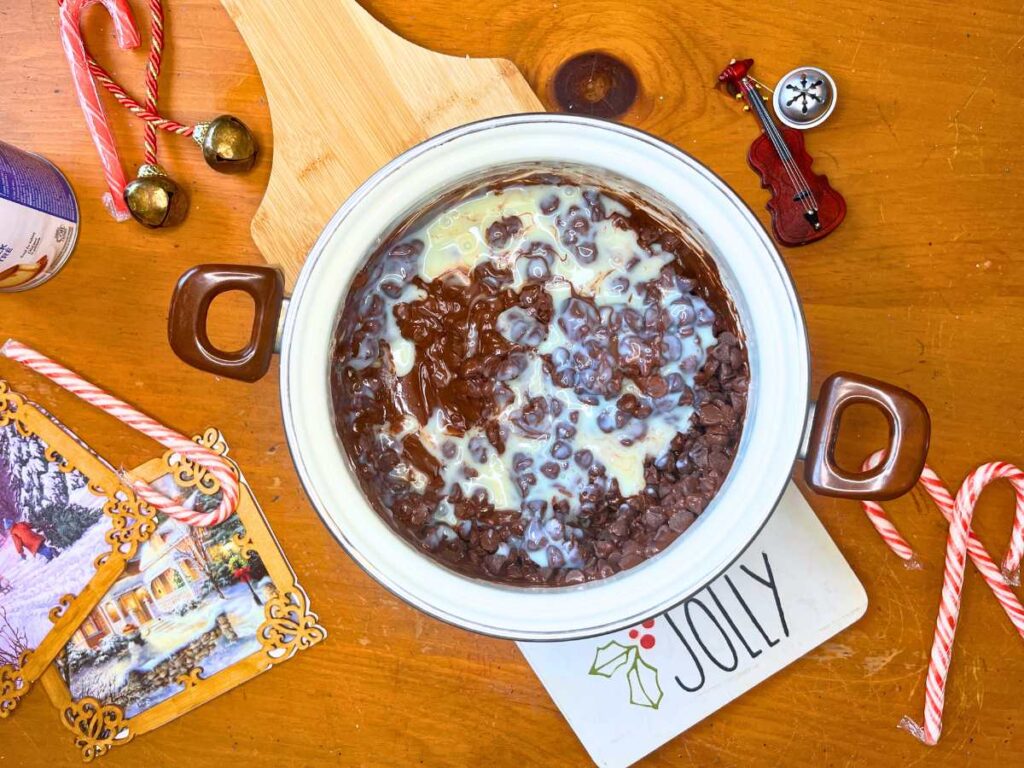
(190, 305)
(909, 432)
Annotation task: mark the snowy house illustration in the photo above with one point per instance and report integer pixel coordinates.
(166, 574)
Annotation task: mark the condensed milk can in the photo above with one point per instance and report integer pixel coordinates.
(38, 219)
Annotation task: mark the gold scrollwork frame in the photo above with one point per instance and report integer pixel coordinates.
(131, 523)
(289, 625)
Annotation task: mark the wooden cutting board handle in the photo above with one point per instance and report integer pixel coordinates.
(346, 96)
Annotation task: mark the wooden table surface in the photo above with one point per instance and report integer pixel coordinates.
(922, 285)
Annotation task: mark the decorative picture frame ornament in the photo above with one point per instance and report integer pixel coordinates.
(130, 520)
(131, 505)
(289, 625)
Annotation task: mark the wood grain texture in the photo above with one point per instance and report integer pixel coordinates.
(347, 95)
(923, 285)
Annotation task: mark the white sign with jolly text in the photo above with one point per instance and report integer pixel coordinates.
(627, 693)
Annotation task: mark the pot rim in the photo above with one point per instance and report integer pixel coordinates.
(292, 429)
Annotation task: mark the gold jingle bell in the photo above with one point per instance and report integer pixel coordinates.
(228, 144)
(154, 199)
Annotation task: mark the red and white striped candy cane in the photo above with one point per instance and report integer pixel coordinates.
(889, 533)
(952, 587)
(996, 579)
(961, 543)
(175, 441)
(88, 95)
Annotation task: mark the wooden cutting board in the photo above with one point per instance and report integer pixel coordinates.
(347, 95)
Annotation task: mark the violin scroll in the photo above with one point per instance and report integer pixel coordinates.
(734, 73)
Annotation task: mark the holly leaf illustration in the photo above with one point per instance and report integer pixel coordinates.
(609, 658)
(644, 690)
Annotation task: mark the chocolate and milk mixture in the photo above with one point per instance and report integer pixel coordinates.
(539, 382)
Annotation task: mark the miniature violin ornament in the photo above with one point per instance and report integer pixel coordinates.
(803, 205)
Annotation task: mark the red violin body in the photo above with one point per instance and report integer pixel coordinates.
(789, 222)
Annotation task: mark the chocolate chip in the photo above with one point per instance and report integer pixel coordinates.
(719, 462)
(561, 450)
(521, 462)
(555, 557)
(494, 563)
(489, 540)
(629, 561)
(573, 577)
(478, 448)
(565, 431)
(681, 520)
(653, 519)
(655, 386)
(603, 548)
(500, 232)
(710, 413)
(628, 403)
(535, 508)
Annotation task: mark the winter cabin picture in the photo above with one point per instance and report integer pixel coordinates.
(191, 599)
(52, 530)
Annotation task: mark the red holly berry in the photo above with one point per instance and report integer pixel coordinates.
(633, 634)
(647, 642)
(649, 623)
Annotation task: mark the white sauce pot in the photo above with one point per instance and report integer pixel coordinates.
(781, 425)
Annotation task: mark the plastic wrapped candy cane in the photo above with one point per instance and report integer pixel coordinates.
(88, 95)
(961, 543)
(167, 437)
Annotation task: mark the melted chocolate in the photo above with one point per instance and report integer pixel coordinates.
(435, 385)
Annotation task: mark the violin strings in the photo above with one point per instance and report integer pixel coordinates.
(807, 198)
(788, 162)
(780, 147)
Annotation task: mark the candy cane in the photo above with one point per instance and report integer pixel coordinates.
(996, 579)
(146, 113)
(961, 542)
(952, 586)
(89, 97)
(175, 441)
(889, 533)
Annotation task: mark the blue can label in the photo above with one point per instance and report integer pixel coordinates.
(38, 219)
